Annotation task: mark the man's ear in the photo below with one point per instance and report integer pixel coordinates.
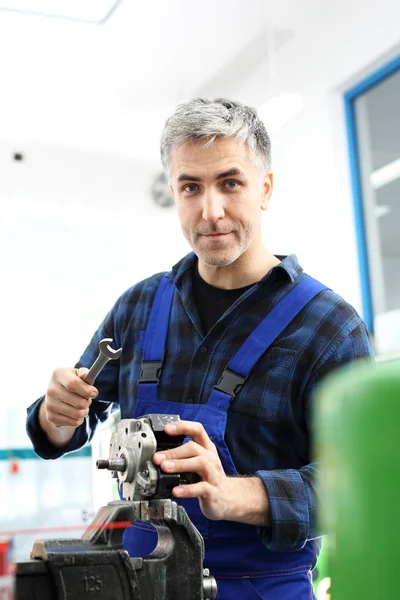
(172, 190)
(268, 185)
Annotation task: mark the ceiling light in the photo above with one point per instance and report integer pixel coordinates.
(279, 109)
(92, 11)
(386, 174)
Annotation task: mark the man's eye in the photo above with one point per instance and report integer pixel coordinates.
(190, 187)
(231, 184)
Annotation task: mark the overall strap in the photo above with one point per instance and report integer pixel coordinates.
(155, 340)
(261, 339)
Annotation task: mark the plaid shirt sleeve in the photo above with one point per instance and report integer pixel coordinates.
(293, 493)
(100, 410)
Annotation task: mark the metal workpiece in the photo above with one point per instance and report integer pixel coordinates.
(132, 447)
(133, 444)
(209, 585)
(97, 563)
(114, 464)
(106, 353)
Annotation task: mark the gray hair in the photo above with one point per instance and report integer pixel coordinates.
(206, 119)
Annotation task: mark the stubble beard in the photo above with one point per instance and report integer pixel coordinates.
(224, 253)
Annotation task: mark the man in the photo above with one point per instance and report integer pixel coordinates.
(244, 338)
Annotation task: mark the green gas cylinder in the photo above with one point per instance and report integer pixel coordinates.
(357, 441)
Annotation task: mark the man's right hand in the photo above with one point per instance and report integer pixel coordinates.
(66, 404)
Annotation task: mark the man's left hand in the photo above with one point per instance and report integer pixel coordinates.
(221, 497)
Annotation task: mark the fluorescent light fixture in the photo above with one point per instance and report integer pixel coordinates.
(92, 11)
(279, 109)
(385, 175)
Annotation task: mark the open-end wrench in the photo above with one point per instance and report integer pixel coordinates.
(106, 353)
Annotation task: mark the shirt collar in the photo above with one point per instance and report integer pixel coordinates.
(289, 267)
(187, 262)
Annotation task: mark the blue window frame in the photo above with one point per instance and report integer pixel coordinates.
(354, 155)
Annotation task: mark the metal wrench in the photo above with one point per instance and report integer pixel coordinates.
(106, 353)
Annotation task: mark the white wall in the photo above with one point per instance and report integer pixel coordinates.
(76, 229)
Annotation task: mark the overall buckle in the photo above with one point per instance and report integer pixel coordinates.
(150, 371)
(230, 383)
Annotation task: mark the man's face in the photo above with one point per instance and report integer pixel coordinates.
(219, 194)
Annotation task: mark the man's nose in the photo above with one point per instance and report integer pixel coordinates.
(213, 207)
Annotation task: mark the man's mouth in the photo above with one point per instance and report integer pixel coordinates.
(216, 234)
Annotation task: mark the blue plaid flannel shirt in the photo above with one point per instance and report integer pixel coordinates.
(269, 422)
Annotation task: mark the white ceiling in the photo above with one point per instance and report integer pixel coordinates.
(147, 54)
(109, 87)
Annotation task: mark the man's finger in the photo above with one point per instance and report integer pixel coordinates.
(191, 429)
(194, 490)
(72, 382)
(62, 420)
(82, 372)
(197, 464)
(61, 396)
(187, 450)
(62, 409)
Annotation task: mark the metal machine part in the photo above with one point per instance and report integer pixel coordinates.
(130, 458)
(98, 566)
(106, 353)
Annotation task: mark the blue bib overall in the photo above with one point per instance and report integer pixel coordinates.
(243, 566)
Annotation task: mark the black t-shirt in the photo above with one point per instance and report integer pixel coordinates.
(212, 302)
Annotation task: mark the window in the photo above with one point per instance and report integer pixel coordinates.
(373, 119)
